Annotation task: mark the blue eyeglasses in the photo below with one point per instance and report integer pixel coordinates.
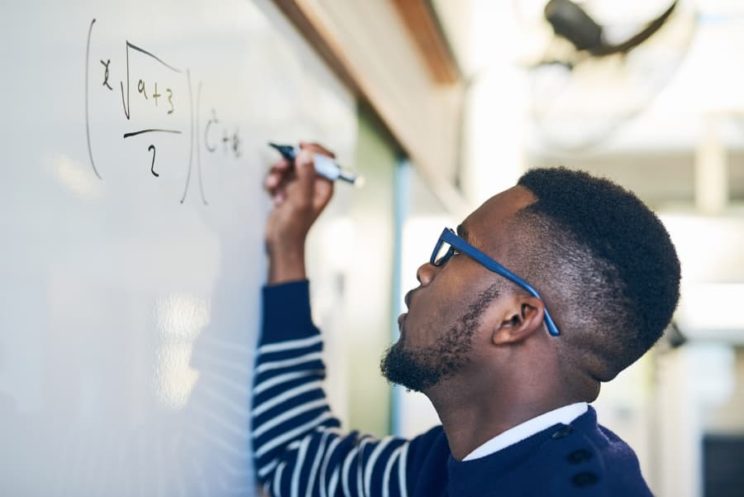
(449, 243)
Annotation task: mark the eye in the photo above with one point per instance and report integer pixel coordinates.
(451, 251)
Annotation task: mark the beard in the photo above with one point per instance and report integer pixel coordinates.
(421, 368)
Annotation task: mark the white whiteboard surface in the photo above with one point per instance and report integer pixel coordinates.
(132, 259)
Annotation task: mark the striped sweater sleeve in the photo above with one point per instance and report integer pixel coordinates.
(299, 449)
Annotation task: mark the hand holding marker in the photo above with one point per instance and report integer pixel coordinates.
(324, 165)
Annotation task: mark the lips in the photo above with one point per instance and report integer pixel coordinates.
(402, 321)
(407, 299)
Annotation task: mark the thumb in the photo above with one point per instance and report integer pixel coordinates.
(323, 193)
(305, 167)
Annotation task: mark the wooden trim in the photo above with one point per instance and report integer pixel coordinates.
(309, 23)
(423, 25)
(319, 37)
(308, 19)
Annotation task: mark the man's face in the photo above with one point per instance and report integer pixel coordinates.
(440, 332)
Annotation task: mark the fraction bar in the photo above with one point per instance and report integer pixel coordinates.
(151, 130)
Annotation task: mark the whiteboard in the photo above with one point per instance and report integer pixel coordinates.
(134, 143)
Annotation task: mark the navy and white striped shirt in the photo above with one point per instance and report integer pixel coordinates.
(298, 447)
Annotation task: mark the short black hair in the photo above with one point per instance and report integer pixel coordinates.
(609, 263)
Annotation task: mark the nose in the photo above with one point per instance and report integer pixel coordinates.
(425, 273)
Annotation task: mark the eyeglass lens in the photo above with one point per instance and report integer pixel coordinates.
(442, 254)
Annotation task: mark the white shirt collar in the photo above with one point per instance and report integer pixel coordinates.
(565, 415)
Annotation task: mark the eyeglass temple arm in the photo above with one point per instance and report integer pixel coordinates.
(491, 265)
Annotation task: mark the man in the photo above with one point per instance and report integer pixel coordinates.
(547, 290)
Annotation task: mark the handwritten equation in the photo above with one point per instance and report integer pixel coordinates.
(164, 98)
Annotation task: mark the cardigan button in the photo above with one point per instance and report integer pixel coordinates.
(584, 479)
(562, 433)
(579, 456)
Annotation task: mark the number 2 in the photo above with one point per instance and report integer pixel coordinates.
(152, 167)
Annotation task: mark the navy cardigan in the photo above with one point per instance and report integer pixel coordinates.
(299, 449)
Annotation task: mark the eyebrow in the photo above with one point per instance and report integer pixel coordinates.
(462, 232)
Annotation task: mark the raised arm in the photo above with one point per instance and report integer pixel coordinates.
(298, 446)
(299, 197)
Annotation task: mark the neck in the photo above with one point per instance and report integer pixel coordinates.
(470, 423)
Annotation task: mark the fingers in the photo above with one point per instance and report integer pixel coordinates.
(287, 180)
(283, 171)
(305, 167)
(317, 148)
(322, 194)
(299, 181)
(316, 189)
(280, 174)
(279, 168)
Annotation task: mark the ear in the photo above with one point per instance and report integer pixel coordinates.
(520, 318)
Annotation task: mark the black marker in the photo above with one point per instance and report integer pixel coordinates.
(324, 165)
